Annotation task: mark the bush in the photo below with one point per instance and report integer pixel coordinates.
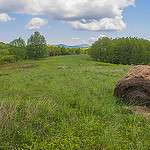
(0, 56)
(4, 52)
(7, 58)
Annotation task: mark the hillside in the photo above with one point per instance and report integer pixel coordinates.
(75, 46)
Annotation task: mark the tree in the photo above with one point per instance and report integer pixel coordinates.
(51, 50)
(3, 49)
(58, 50)
(63, 50)
(36, 46)
(18, 42)
(121, 50)
(97, 50)
(2, 45)
(17, 47)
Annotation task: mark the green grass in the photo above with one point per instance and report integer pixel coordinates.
(45, 107)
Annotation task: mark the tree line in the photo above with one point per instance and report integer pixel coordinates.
(35, 48)
(121, 50)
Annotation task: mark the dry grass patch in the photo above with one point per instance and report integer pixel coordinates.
(140, 110)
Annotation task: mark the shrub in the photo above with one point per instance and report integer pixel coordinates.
(0, 56)
(7, 58)
(4, 52)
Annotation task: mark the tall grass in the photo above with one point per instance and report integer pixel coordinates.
(45, 107)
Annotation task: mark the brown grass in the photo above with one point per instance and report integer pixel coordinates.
(140, 110)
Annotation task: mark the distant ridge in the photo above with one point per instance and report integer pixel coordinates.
(75, 46)
(62, 45)
(83, 45)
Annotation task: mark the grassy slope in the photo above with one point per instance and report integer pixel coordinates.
(45, 107)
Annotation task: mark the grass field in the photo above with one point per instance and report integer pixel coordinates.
(43, 106)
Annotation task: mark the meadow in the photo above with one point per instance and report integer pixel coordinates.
(43, 106)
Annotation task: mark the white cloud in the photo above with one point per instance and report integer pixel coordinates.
(114, 24)
(93, 39)
(101, 36)
(75, 38)
(81, 14)
(36, 23)
(5, 18)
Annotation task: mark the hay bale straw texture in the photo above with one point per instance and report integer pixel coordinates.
(135, 86)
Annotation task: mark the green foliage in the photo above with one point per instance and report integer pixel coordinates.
(3, 49)
(0, 56)
(104, 64)
(44, 107)
(4, 52)
(36, 46)
(18, 47)
(63, 50)
(121, 51)
(7, 58)
(2, 46)
(18, 42)
(56, 51)
(98, 48)
(52, 51)
(84, 50)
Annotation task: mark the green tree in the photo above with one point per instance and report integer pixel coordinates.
(36, 46)
(2, 46)
(63, 50)
(3, 49)
(18, 47)
(98, 49)
(18, 42)
(121, 50)
(51, 50)
(58, 50)
(78, 51)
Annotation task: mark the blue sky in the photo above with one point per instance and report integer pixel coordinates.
(74, 21)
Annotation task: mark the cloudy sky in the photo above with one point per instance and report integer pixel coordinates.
(74, 21)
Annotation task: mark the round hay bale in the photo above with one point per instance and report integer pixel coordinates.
(135, 86)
